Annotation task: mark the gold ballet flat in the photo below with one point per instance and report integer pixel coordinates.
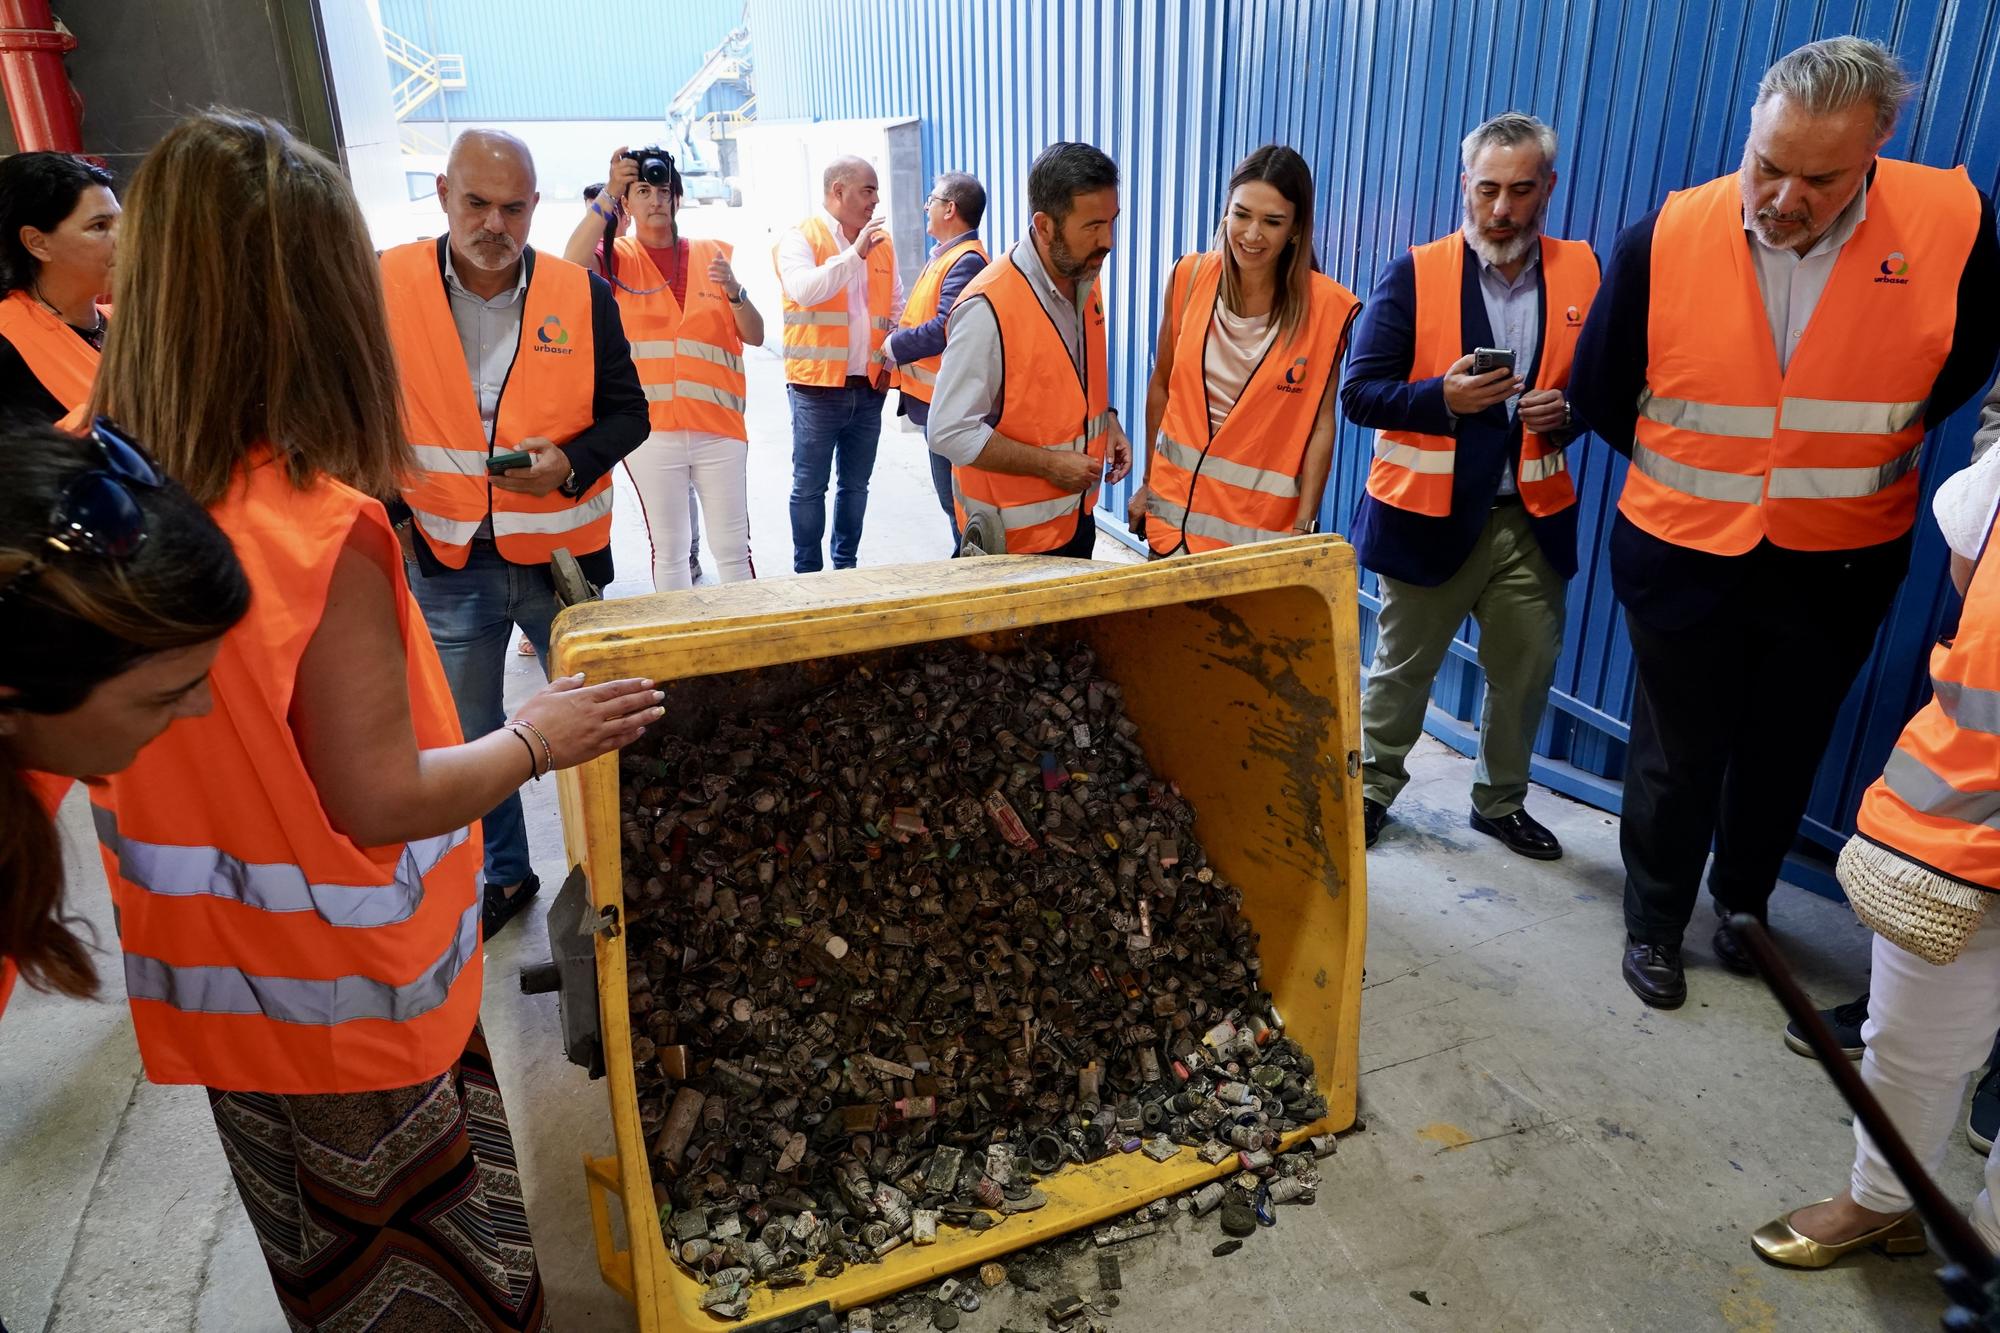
(1779, 1243)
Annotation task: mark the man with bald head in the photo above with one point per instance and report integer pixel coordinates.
(841, 295)
(519, 396)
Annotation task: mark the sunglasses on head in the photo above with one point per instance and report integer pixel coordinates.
(97, 514)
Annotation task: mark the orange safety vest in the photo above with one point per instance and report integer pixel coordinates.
(264, 950)
(1938, 799)
(918, 379)
(548, 394)
(689, 360)
(1044, 403)
(1730, 451)
(1413, 471)
(816, 335)
(1210, 489)
(64, 363)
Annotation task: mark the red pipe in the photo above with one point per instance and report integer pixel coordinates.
(46, 111)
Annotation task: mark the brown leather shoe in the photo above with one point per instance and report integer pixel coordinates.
(1655, 974)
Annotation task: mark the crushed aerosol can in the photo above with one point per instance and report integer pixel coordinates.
(901, 948)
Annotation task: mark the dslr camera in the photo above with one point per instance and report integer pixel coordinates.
(656, 166)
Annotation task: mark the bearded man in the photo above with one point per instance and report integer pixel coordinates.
(1469, 508)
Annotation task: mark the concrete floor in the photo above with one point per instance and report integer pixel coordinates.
(1542, 1152)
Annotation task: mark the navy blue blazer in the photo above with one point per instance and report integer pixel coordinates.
(1378, 393)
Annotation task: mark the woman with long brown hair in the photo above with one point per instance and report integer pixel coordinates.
(1239, 411)
(115, 591)
(296, 875)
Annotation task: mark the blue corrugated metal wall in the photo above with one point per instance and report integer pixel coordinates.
(583, 60)
(1647, 97)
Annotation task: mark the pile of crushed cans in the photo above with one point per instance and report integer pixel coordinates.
(902, 949)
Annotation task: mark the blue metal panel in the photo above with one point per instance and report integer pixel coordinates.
(583, 60)
(1648, 97)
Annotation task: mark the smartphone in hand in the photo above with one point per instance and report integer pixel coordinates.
(504, 462)
(1486, 360)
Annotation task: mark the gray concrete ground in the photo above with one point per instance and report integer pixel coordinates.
(1541, 1151)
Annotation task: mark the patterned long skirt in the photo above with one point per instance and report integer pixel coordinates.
(388, 1211)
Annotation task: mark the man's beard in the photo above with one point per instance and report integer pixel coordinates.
(1501, 253)
(1065, 262)
(495, 254)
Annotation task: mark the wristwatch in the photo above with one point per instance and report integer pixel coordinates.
(572, 485)
(742, 295)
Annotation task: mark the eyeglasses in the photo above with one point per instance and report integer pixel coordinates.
(936, 199)
(97, 514)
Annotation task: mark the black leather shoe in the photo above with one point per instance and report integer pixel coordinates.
(1522, 834)
(1654, 973)
(1374, 815)
(1730, 954)
(498, 907)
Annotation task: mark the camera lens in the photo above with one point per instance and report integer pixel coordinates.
(654, 171)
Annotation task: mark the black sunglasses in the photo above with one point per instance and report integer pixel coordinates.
(97, 513)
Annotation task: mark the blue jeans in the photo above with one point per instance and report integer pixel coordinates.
(941, 482)
(841, 425)
(472, 613)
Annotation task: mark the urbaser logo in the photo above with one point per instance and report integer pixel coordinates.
(1895, 269)
(1294, 373)
(553, 337)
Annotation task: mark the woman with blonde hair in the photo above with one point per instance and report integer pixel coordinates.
(296, 873)
(1239, 412)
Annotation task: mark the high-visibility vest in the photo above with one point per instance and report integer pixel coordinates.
(1938, 799)
(548, 394)
(1045, 404)
(264, 950)
(1413, 471)
(1239, 483)
(1729, 450)
(64, 363)
(816, 336)
(690, 360)
(918, 379)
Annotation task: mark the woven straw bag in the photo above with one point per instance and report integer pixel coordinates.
(1910, 905)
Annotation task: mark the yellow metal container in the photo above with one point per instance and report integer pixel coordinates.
(1240, 668)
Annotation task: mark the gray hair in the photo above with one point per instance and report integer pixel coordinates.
(1831, 75)
(1507, 129)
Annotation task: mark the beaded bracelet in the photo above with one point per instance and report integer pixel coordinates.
(547, 753)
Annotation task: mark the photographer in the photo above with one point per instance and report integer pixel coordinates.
(688, 319)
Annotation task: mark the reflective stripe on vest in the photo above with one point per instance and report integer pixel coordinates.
(1730, 450)
(1208, 525)
(1938, 799)
(1239, 479)
(316, 1002)
(549, 394)
(816, 337)
(1046, 403)
(1413, 471)
(61, 360)
(918, 379)
(174, 871)
(688, 355)
(264, 950)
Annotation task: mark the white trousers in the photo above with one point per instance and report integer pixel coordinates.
(1928, 1029)
(662, 469)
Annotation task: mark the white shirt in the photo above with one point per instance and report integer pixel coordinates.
(1236, 343)
(1513, 312)
(1967, 501)
(1792, 283)
(489, 333)
(809, 283)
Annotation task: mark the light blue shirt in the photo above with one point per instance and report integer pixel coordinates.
(489, 333)
(1513, 313)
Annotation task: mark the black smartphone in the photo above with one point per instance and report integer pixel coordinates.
(1486, 360)
(497, 463)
